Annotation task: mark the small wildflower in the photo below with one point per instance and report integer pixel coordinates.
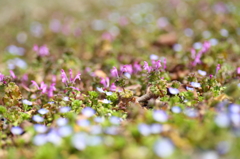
(238, 70)
(88, 112)
(147, 67)
(190, 88)
(40, 128)
(37, 118)
(144, 129)
(164, 148)
(160, 116)
(65, 131)
(203, 73)
(156, 128)
(64, 109)
(176, 109)
(114, 72)
(62, 121)
(27, 102)
(195, 84)
(105, 101)
(218, 68)
(105, 82)
(43, 111)
(40, 139)
(78, 141)
(115, 120)
(173, 90)
(12, 74)
(17, 130)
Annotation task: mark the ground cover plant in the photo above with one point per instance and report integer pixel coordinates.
(119, 79)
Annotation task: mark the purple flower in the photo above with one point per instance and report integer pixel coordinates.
(190, 112)
(115, 120)
(173, 90)
(64, 109)
(176, 109)
(88, 112)
(62, 121)
(144, 129)
(222, 120)
(153, 57)
(40, 139)
(195, 84)
(54, 138)
(160, 116)
(164, 148)
(156, 128)
(203, 73)
(40, 128)
(16, 130)
(38, 118)
(65, 131)
(79, 141)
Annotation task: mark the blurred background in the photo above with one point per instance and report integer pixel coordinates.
(115, 31)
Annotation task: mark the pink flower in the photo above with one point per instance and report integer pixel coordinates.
(113, 87)
(126, 69)
(105, 82)
(156, 64)
(193, 53)
(165, 64)
(114, 72)
(41, 51)
(147, 67)
(65, 78)
(218, 68)
(51, 89)
(12, 74)
(136, 67)
(107, 36)
(1, 77)
(197, 58)
(238, 70)
(123, 21)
